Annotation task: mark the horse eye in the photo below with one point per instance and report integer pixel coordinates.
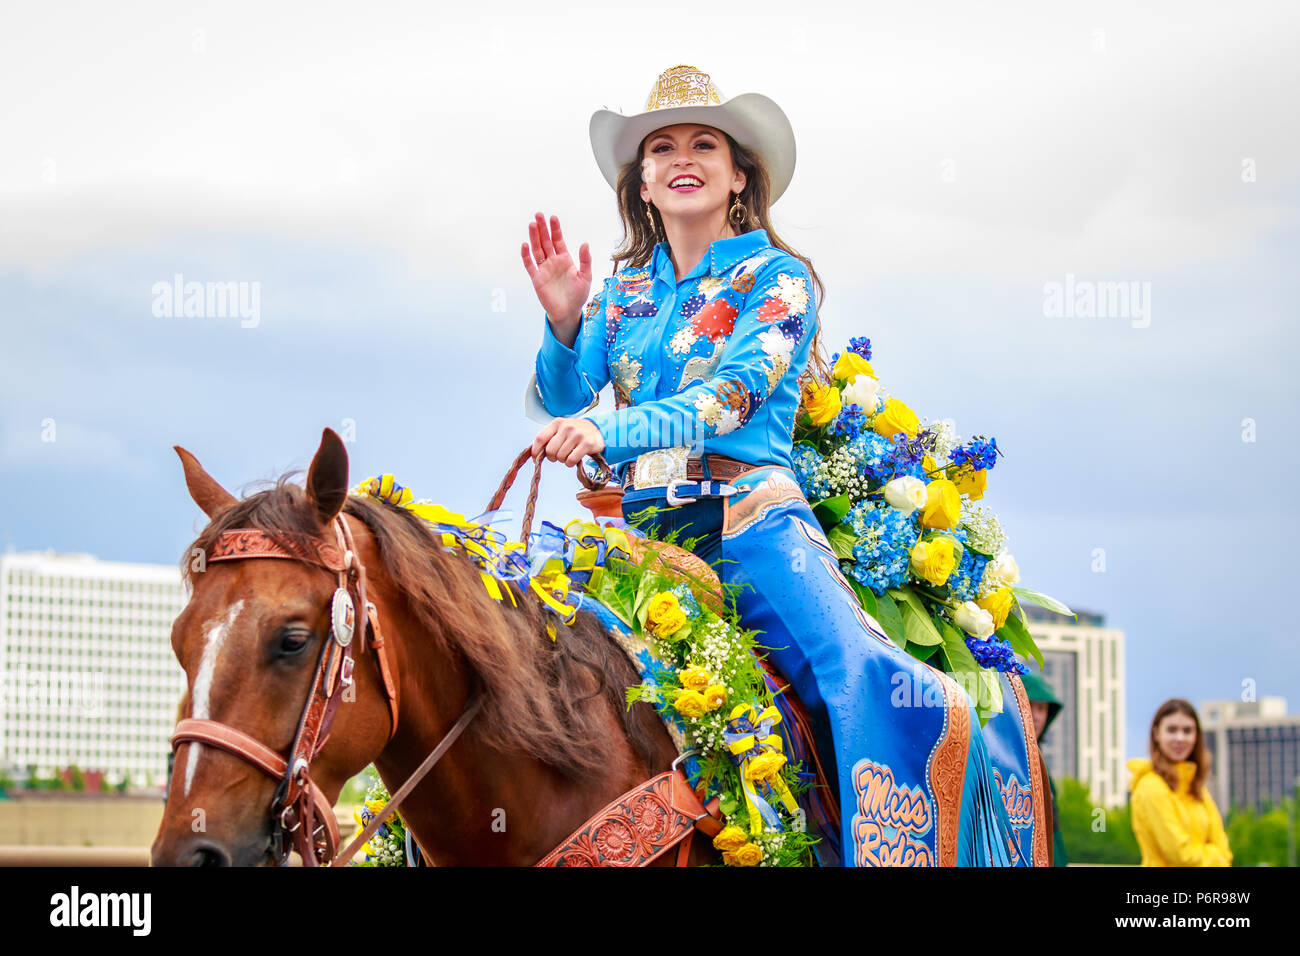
(293, 642)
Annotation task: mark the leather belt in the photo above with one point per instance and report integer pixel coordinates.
(721, 468)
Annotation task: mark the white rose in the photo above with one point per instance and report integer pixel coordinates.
(974, 620)
(861, 392)
(906, 493)
(1002, 570)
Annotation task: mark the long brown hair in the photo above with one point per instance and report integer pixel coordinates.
(1199, 756)
(640, 238)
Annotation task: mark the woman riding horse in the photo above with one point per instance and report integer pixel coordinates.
(705, 332)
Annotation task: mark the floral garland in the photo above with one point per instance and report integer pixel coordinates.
(388, 845)
(707, 679)
(703, 674)
(897, 503)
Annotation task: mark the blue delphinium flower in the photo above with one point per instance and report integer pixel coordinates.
(810, 472)
(996, 653)
(902, 457)
(861, 345)
(850, 422)
(884, 549)
(979, 453)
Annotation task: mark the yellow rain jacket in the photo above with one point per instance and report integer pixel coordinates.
(1174, 828)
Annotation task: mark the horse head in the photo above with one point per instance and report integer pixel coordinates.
(552, 741)
(250, 641)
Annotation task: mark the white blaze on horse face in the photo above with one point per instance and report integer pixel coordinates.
(214, 636)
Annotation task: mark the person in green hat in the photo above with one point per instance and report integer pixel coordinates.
(1045, 705)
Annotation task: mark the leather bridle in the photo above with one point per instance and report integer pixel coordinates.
(302, 816)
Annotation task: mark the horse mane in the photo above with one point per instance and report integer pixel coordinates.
(541, 696)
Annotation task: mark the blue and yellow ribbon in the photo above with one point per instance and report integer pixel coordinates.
(555, 561)
(760, 753)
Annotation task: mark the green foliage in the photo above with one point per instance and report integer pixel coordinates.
(1042, 600)
(890, 618)
(1017, 635)
(1093, 834)
(1258, 838)
(830, 511)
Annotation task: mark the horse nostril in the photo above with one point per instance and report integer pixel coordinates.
(209, 854)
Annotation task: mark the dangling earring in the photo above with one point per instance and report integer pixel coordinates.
(654, 230)
(737, 214)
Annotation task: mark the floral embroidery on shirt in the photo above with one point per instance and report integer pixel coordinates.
(682, 340)
(640, 307)
(726, 409)
(627, 373)
(709, 408)
(793, 291)
(731, 335)
(710, 286)
(715, 321)
(613, 315)
(772, 310)
(780, 348)
(692, 304)
(736, 406)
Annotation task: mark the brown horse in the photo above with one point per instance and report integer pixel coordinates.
(553, 744)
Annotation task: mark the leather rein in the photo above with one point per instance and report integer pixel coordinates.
(636, 828)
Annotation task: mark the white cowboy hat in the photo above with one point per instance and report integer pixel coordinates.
(683, 94)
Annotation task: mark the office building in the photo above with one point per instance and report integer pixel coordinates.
(1083, 660)
(89, 678)
(1255, 751)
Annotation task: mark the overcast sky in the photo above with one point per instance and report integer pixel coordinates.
(374, 169)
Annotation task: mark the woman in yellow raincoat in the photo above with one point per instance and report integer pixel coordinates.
(1175, 819)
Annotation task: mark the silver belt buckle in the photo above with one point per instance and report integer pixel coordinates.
(659, 467)
(673, 498)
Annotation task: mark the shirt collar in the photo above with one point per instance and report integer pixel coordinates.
(722, 254)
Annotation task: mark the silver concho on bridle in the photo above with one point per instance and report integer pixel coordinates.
(342, 617)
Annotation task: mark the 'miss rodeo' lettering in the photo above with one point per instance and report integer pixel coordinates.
(1017, 798)
(890, 816)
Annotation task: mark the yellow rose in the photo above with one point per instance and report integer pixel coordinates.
(934, 560)
(664, 616)
(691, 703)
(764, 766)
(850, 364)
(821, 402)
(714, 696)
(895, 417)
(751, 854)
(942, 504)
(998, 604)
(693, 679)
(929, 465)
(731, 838)
(972, 482)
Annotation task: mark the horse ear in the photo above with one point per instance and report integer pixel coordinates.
(327, 479)
(205, 491)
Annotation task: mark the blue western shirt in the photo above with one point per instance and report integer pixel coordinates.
(710, 361)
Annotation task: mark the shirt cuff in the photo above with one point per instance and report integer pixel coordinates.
(554, 352)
